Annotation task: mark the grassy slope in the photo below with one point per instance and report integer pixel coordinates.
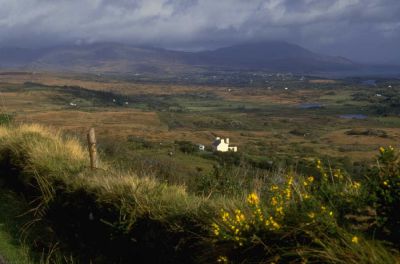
(107, 215)
(42, 156)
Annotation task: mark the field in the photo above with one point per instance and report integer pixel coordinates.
(312, 118)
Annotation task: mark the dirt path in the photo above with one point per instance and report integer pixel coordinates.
(2, 260)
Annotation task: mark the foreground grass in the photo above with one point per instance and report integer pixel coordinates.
(108, 216)
(56, 167)
(11, 248)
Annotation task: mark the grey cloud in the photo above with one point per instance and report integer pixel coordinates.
(367, 30)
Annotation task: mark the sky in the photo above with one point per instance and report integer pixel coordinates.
(361, 30)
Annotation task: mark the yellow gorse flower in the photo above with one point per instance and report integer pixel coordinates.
(279, 210)
(222, 259)
(272, 224)
(319, 164)
(225, 216)
(239, 216)
(253, 199)
(290, 180)
(258, 214)
(338, 174)
(274, 201)
(288, 193)
(216, 229)
(356, 185)
(355, 239)
(274, 188)
(382, 150)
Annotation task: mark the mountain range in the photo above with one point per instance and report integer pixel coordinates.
(270, 56)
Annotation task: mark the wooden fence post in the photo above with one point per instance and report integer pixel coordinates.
(91, 137)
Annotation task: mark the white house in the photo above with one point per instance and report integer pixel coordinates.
(222, 145)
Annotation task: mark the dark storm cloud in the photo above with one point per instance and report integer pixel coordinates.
(366, 30)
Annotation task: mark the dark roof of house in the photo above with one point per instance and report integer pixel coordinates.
(216, 142)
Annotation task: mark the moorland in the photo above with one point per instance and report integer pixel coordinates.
(271, 119)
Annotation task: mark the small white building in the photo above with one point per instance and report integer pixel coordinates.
(222, 145)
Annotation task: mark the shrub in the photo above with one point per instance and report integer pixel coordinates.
(6, 119)
(339, 190)
(291, 226)
(385, 190)
(229, 158)
(186, 146)
(223, 180)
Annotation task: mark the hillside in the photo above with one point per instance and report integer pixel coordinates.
(274, 56)
(109, 216)
(113, 57)
(102, 57)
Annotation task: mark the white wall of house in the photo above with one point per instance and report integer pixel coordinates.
(222, 145)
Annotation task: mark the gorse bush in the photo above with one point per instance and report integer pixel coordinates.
(384, 182)
(338, 189)
(277, 224)
(300, 219)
